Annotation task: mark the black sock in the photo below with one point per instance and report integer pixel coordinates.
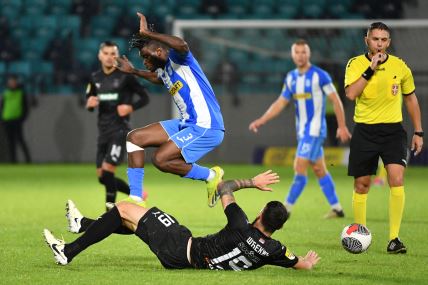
(86, 222)
(108, 223)
(109, 182)
(122, 186)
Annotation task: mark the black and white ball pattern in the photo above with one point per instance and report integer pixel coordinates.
(356, 238)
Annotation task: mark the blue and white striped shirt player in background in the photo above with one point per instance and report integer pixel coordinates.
(180, 142)
(309, 86)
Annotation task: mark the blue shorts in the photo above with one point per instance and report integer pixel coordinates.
(194, 141)
(310, 148)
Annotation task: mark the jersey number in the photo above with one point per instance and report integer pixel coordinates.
(237, 261)
(115, 151)
(165, 219)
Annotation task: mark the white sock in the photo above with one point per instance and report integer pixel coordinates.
(337, 207)
(211, 176)
(136, 198)
(288, 206)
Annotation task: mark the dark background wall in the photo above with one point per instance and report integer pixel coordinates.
(59, 129)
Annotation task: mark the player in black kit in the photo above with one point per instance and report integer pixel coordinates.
(240, 245)
(112, 91)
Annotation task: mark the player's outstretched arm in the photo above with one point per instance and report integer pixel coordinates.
(271, 113)
(124, 65)
(342, 133)
(307, 262)
(173, 42)
(261, 181)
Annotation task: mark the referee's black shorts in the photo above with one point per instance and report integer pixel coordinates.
(166, 238)
(369, 141)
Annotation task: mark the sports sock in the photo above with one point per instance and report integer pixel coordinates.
(104, 226)
(359, 205)
(327, 185)
(122, 186)
(296, 188)
(136, 178)
(108, 179)
(198, 172)
(86, 222)
(396, 206)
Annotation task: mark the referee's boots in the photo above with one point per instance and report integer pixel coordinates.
(396, 246)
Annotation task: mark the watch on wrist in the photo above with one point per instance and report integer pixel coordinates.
(419, 134)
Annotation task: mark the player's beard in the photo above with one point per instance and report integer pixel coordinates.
(157, 62)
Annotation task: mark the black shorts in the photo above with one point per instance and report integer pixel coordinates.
(111, 148)
(369, 142)
(166, 238)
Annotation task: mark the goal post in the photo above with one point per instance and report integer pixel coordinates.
(259, 49)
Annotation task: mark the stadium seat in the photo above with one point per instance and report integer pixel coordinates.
(69, 24)
(20, 67)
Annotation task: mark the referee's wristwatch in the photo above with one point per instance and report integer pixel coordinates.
(419, 134)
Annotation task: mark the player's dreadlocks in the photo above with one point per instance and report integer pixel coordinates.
(137, 41)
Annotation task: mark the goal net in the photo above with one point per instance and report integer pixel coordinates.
(253, 56)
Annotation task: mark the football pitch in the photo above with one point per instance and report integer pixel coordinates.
(33, 197)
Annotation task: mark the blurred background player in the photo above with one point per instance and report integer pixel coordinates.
(309, 86)
(240, 245)
(112, 91)
(14, 112)
(379, 83)
(181, 142)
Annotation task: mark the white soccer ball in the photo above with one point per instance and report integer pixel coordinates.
(356, 238)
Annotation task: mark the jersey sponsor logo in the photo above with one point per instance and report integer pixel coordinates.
(300, 96)
(175, 87)
(289, 254)
(108, 96)
(257, 247)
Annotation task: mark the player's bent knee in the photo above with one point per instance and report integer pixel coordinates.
(159, 161)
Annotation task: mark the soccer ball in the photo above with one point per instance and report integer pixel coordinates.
(356, 238)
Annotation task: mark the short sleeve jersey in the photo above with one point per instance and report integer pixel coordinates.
(381, 99)
(309, 91)
(112, 90)
(191, 91)
(239, 246)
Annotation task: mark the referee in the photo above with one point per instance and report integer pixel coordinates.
(379, 83)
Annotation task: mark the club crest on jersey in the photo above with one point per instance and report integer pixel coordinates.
(98, 85)
(394, 89)
(116, 83)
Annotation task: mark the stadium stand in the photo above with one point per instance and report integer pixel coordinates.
(42, 36)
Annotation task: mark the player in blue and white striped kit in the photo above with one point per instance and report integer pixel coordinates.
(309, 86)
(180, 142)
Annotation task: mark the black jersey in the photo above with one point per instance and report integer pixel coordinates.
(112, 90)
(239, 246)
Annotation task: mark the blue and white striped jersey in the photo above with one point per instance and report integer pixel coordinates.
(191, 91)
(309, 91)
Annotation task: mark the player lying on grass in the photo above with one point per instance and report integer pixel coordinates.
(240, 245)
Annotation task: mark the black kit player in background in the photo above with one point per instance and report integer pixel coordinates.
(240, 245)
(112, 91)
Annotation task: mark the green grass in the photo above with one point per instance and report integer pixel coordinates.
(33, 197)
